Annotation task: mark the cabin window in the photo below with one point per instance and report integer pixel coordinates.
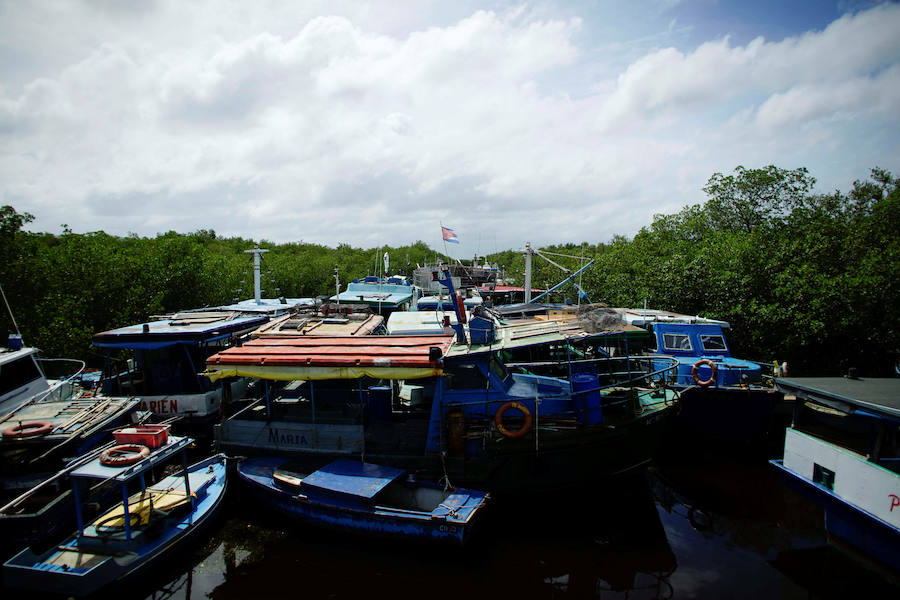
(713, 342)
(676, 341)
(498, 368)
(17, 374)
(823, 476)
(465, 377)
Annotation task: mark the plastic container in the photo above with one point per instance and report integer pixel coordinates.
(14, 342)
(152, 436)
(380, 403)
(588, 404)
(481, 330)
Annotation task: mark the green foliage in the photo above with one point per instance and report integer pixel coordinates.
(803, 278)
(811, 279)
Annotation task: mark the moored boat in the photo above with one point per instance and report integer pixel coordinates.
(721, 396)
(354, 496)
(448, 406)
(130, 537)
(842, 451)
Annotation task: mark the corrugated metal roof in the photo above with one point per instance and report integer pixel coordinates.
(334, 351)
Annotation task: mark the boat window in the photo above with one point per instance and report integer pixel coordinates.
(676, 341)
(465, 377)
(17, 373)
(498, 368)
(713, 342)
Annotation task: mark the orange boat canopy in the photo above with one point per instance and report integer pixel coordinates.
(332, 357)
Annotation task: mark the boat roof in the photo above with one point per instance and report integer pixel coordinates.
(422, 322)
(332, 357)
(181, 328)
(352, 478)
(880, 395)
(510, 336)
(645, 316)
(8, 355)
(316, 323)
(268, 306)
(500, 289)
(94, 469)
(445, 300)
(375, 293)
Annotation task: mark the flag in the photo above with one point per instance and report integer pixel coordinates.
(448, 235)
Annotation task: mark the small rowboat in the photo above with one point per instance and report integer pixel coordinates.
(129, 537)
(366, 498)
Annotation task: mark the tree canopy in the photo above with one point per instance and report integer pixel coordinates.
(807, 278)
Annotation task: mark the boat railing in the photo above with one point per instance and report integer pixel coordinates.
(60, 388)
(629, 371)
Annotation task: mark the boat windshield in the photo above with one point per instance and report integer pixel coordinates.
(713, 342)
(17, 373)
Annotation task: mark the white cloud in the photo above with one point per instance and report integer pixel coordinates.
(330, 126)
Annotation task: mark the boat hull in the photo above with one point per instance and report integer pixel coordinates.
(566, 457)
(350, 515)
(861, 499)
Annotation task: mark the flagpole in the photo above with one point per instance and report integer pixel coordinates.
(444, 241)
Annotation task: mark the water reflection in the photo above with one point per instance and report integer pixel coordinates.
(690, 527)
(598, 542)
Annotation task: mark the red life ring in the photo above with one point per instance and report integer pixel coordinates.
(124, 455)
(498, 419)
(712, 376)
(28, 429)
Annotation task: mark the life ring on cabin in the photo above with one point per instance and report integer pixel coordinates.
(28, 429)
(124, 455)
(696, 368)
(498, 419)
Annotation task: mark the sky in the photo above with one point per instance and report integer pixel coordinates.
(372, 124)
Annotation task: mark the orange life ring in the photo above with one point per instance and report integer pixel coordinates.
(28, 429)
(498, 419)
(712, 376)
(124, 455)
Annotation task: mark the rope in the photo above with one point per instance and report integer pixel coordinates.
(452, 511)
(446, 478)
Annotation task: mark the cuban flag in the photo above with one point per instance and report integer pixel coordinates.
(448, 235)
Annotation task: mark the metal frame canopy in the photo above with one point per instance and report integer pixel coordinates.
(332, 357)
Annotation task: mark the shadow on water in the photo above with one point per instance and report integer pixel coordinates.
(696, 524)
(738, 532)
(592, 544)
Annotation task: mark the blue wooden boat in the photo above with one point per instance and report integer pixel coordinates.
(842, 451)
(131, 536)
(722, 396)
(364, 498)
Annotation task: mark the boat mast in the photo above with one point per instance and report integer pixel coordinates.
(256, 252)
(528, 252)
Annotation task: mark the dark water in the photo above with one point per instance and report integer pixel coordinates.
(693, 525)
